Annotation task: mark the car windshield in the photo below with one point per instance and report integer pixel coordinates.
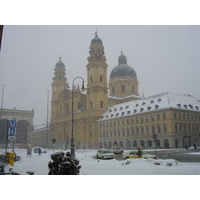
(106, 151)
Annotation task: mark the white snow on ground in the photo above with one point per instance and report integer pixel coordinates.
(92, 166)
(98, 187)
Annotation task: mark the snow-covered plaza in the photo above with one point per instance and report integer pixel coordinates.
(92, 166)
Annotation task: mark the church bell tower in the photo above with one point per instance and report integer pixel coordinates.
(97, 90)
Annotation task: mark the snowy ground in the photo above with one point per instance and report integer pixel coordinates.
(98, 187)
(92, 166)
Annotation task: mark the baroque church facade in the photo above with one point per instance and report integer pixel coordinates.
(113, 114)
(91, 104)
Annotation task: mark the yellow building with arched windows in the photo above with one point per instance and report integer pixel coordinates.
(173, 119)
(113, 114)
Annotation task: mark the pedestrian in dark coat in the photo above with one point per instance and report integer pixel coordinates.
(139, 153)
(39, 151)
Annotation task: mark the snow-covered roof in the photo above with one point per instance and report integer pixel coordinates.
(136, 96)
(153, 103)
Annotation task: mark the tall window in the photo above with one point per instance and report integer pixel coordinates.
(132, 131)
(164, 115)
(165, 128)
(122, 88)
(118, 133)
(137, 130)
(127, 132)
(147, 130)
(159, 129)
(133, 89)
(113, 90)
(101, 104)
(101, 78)
(122, 132)
(174, 115)
(142, 130)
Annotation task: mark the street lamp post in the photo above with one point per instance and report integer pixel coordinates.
(2, 101)
(72, 139)
(47, 119)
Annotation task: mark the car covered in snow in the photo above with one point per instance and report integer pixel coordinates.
(35, 149)
(116, 150)
(105, 154)
(134, 154)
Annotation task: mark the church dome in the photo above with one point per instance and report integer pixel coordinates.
(122, 69)
(60, 64)
(96, 40)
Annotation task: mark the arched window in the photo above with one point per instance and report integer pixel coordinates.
(101, 104)
(133, 89)
(101, 78)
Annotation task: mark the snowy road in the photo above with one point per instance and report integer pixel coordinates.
(92, 166)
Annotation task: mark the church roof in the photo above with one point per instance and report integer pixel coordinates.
(122, 69)
(60, 64)
(96, 40)
(151, 104)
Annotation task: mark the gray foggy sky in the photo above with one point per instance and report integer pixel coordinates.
(165, 58)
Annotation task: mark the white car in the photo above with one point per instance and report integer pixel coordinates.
(105, 154)
(35, 149)
(134, 154)
(116, 150)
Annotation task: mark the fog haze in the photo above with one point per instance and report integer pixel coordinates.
(165, 58)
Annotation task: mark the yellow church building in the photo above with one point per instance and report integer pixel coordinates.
(89, 105)
(113, 114)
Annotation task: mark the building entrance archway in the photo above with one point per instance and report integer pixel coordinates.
(166, 143)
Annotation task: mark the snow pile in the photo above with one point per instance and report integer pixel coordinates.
(169, 162)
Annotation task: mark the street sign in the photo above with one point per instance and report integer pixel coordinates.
(11, 131)
(11, 137)
(12, 123)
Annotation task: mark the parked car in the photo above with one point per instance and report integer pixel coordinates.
(134, 154)
(116, 150)
(35, 149)
(105, 154)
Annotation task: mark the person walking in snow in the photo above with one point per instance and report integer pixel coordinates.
(27, 154)
(39, 151)
(30, 152)
(139, 153)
